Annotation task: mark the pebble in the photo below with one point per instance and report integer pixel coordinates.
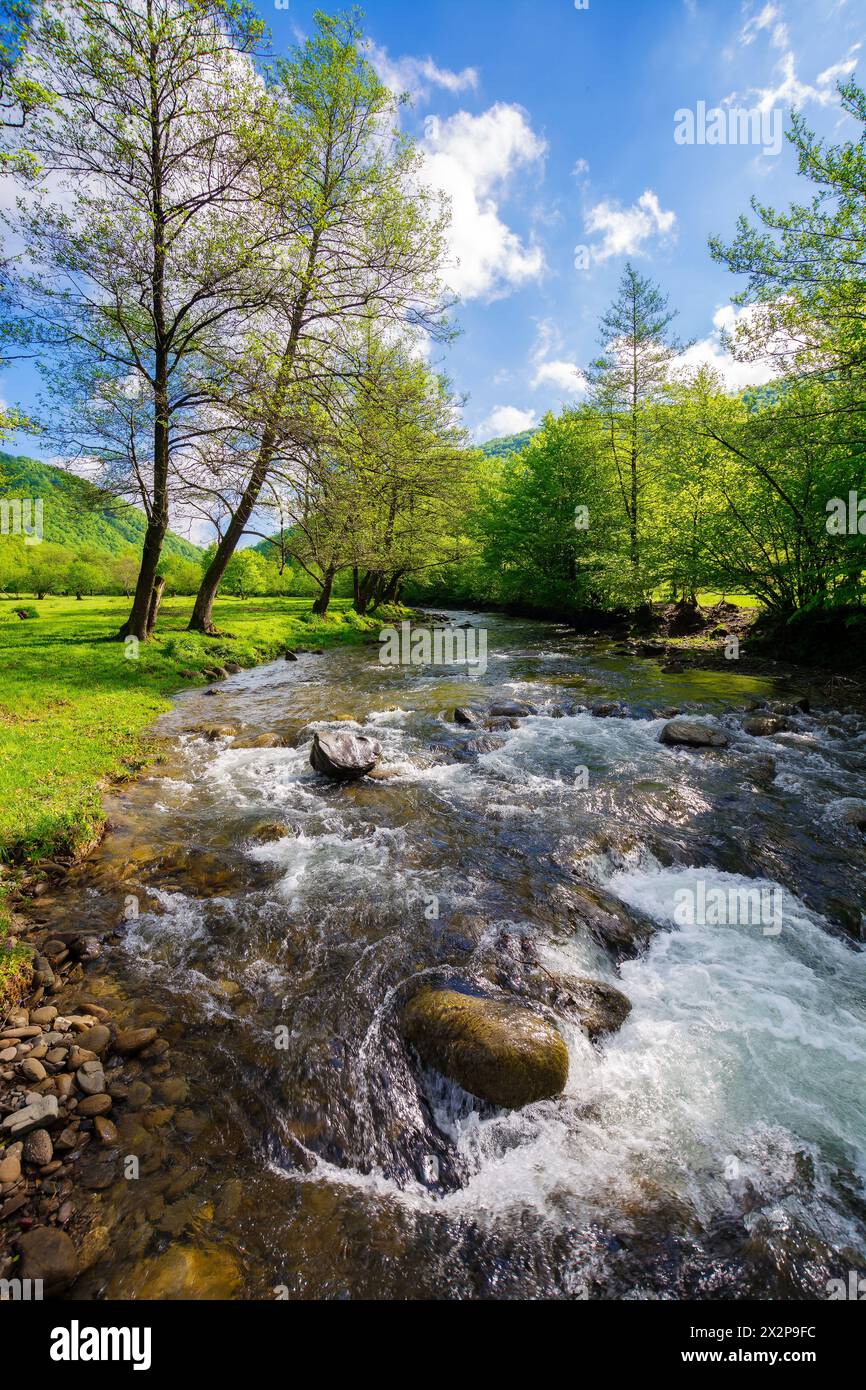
(94, 1105)
(139, 1094)
(130, 1040)
(46, 1014)
(10, 1165)
(38, 1148)
(42, 1110)
(49, 1255)
(95, 1039)
(91, 1079)
(32, 1069)
(105, 1130)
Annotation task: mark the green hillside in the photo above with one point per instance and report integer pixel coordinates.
(511, 444)
(79, 516)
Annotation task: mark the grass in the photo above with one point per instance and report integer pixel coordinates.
(708, 598)
(74, 710)
(16, 968)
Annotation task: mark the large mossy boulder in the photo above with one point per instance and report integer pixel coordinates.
(344, 756)
(496, 1049)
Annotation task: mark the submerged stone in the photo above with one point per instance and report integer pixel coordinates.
(190, 1272)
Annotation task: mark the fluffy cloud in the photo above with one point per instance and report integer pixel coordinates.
(471, 158)
(625, 231)
(565, 376)
(417, 75)
(710, 352)
(550, 369)
(506, 419)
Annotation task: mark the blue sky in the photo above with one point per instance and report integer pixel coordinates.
(552, 128)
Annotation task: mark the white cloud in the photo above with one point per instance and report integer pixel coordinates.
(504, 420)
(417, 75)
(625, 230)
(550, 367)
(710, 352)
(762, 20)
(788, 89)
(471, 158)
(581, 166)
(566, 376)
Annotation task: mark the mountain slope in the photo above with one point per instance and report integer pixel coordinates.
(76, 515)
(511, 444)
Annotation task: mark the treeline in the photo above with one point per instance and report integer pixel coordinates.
(233, 297)
(663, 484)
(48, 569)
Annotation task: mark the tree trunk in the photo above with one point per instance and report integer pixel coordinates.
(359, 603)
(391, 592)
(157, 522)
(155, 601)
(202, 613)
(136, 623)
(320, 607)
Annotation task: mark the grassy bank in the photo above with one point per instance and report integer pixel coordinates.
(74, 708)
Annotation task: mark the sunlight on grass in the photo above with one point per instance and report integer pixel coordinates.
(74, 709)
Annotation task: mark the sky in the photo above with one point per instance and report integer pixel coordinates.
(558, 131)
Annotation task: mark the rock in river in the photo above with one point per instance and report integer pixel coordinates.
(512, 709)
(48, 1255)
(623, 931)
(494, 1048)
(344, 756)
(693, 734)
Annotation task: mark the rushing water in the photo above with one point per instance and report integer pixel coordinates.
(715, 1146)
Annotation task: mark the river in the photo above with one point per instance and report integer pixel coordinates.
(269, 922)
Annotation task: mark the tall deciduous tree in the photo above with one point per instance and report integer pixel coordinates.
(151, 260)
(364, 239)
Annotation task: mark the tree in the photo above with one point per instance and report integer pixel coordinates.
(45, 568)
(364, 240)
(549, 521)
(156, 134)
(630, 377)
(181, 576)
(806, 266)
(83, 577)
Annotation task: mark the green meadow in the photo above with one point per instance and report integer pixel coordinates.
(75, 710)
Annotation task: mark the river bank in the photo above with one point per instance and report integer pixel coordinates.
(238, 895)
